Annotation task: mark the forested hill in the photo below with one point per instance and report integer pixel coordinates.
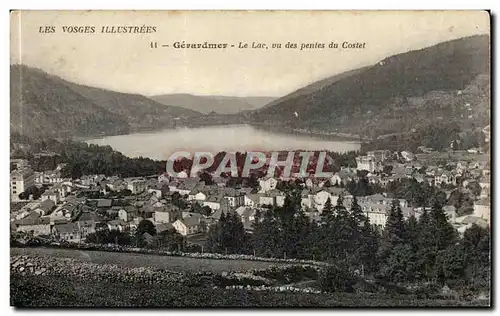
(43, 104)
(217, 104)
(400, 93)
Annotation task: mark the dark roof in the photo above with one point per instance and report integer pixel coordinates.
(163, 227)
(129, 209)
(65, 228)
(33, 221)
(88, 216)
(191, 221)
(46, 205)
(104, 202)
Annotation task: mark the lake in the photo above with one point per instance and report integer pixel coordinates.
(161, 144)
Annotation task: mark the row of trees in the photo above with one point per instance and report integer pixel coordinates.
(169, 240)
(405, 251)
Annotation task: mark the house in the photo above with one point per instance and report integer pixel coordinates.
(45, 208)
(20, 180)
(156, 190)
(377, 207)
(220, 181)
(48, 177)
(19, 163)
(482, 209)
(247, 215)
(379, 155)
(464, 222)
(199, 193)
(265, 199)
(163, 179)
(484, 183)
(137, 186)
(320, 197)
(117, 184)
(407, 156)
(187, 226)
(381, 199)
(34, 224)
(104, 203)
(277, 195)
(89, 223)
(118, 224)
(368, 163)
(127, 213)
(186, 185)
(163, 227)
(214, 201)
(166, 214)
(306, 199)
(68, 232)
(65, 212)
(51, 195)
(251, 199)
(234, 197)
(267, 184)
(444, 177)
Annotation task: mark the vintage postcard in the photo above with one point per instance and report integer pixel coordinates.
(250, 159)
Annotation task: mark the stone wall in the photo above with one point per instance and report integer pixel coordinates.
(25, 266)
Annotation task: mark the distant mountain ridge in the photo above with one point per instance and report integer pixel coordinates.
(44, 104)
(377, 100)
(217, 104)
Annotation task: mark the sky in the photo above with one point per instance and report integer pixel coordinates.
(127, 63)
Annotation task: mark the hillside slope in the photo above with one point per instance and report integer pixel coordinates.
(208, 104)
(402, 92)
(43, 104)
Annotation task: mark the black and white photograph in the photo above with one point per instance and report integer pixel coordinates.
(181, 159)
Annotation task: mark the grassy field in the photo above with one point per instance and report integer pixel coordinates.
(43, 291)
(133, 260)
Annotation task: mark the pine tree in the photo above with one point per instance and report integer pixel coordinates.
(426, 252)
(265, 239)
(357, 215)
(368, 247)
(327, 212)
(394, 231)
(394, 252)
(444, 233)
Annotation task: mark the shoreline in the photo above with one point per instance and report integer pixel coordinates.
(331, 136)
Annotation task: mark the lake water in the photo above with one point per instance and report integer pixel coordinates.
(161, 144)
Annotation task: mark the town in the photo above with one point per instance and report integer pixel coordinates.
(43, 203)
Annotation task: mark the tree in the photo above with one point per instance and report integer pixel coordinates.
(444, 233)
(228, 235)
(169, 239)
(368, 246)
(387, 169)
(337, 278)
(363, 187)
(426, 253)
(327, 212)
(265, 238)
(398, 266)
(206, 177)
(32, 190)
(357, 216)
(146, 226)
(394, 231)
(477, 250)
(394, 253)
